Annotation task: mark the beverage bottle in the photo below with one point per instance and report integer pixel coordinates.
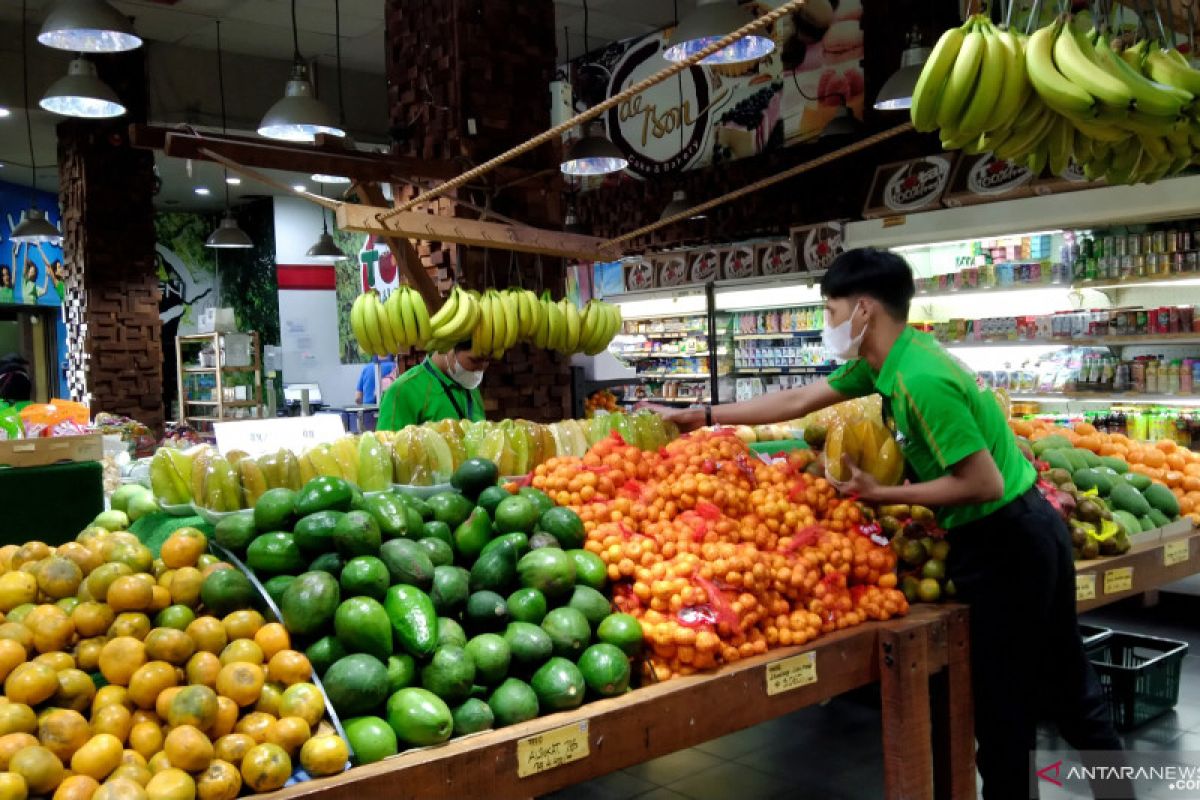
(1151, 376)
(1185, 377)
(1107, 374)
(1120, 425)
(1172, 386)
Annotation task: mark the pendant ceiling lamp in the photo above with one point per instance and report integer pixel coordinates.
(896, 94)
(711, 21)
(88, 26)
(81, 93)
(33, 228)
(842, 123)
(325, 248)
(298, 116)
(679, 204)
(594, 154)
(228, 235)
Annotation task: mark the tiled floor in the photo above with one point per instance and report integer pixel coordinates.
(833, 752)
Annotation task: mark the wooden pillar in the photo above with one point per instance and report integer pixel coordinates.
(106, 191)
(467, 80)
(904, 684)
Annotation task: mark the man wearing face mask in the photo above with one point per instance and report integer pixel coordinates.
(1010, 552)
(443, 386)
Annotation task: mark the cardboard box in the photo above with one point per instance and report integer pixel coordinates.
(706, 264)
(907, 187)
(816, 246)
(51, 450)
(985, 178)
(672, 268)
(639, 274)
(775, 258)
(739, 262)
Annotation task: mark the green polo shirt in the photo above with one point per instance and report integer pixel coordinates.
(426, 394)
(941, 416)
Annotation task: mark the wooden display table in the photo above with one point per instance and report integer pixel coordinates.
(921, 662)
(1149, 565)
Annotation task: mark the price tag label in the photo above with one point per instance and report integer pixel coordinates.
(792, 673)
(1175, 552)
(552, 749)
(895, 221)
(1085, 587)
(1118, 580)
(261, 436)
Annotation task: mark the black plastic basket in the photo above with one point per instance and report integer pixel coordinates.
(1093, 637)
(1140, 676)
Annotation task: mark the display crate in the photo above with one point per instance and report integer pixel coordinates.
(50, 450)
(1140, 676)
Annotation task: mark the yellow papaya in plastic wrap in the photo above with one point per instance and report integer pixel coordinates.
(307, 470)
(374, 464)
(289, 470)
(272, 474)
(345, 451)
(254, 483)
(200, 461)
(864, 444)
(835, 448)
(324, 462)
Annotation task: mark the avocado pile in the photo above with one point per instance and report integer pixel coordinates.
(1110, 502)
(431, 618)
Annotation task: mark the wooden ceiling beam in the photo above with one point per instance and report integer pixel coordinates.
(288, 156)
(429, 227)
(404, 252)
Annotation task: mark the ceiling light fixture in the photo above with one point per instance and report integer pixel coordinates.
(319, 178)
(678, 205)
(842, 123)
(325, 248)
(298, 116)
(88, 26)
(896, 94)
(203, 191)
(5, 112)
(299, 187)
(712, 21)
(81, 93)
(228, 235)
(33, 228)
(594, 154)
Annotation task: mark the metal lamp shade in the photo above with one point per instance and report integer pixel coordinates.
(896, 94)
(711, 21)
(81, 93)
(594, 154)
(843, 123)
(679, 204)
(298, 116)
(88, 26)
(34, 228)
(325, 249)
(229, 236)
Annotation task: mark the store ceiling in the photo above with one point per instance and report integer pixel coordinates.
(253, 29)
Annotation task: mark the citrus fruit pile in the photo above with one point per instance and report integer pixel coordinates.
(720, 555)
(431, 617)
(197, 695)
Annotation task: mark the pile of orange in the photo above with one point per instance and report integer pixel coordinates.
(191, 706)
(720, 555)
(1178, 468)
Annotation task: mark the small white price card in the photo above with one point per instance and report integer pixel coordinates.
(1118, 580)
(1085, 587)
(552, 749)
(261, 436)
(1175, 552)
(792, 673)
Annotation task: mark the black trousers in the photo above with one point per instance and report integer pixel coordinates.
(1015, 570)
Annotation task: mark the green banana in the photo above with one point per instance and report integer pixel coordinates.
(1079, 65)
(986, 92)
(1015, 89)
(932, 81)
(963, 77)
(1058, 92)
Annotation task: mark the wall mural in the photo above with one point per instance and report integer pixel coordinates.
(721, 113)
(32, 274)
(187, 272)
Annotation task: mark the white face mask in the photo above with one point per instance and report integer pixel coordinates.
(465, 378)
(839, 340)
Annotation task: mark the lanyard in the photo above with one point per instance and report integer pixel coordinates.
(449, 394)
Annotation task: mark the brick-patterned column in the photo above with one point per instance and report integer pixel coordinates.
(114, 342)
(467, 80)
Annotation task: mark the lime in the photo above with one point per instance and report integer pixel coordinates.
(591, 603)
(606, 669)
(541, 501)
(565, 526)
(934, 569)
(940, 549)
(528, 605)
(371, 738)
(515, 513)
(590, 569)
(623, 631)
(365, 576)
(177, 617)
(490, 497)
(491, 655)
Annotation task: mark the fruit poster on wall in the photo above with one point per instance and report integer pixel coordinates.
(727, 112)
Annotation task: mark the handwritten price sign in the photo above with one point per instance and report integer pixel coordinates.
(1118, 580)
(791, 673)
(1085, 587)
(552, 749)
(1175, 552)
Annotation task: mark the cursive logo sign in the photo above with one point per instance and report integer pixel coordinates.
(993, 176)
(916, 184)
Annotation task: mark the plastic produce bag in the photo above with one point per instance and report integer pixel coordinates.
(10, 422)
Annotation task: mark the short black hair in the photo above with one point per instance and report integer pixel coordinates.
(463, 346)
(878, 274)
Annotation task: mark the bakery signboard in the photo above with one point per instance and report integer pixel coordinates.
(725, 112)
(906, 187)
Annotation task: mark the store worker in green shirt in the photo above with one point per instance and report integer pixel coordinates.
(443, 386)
(1010, 552)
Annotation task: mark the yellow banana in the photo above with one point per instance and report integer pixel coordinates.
(481, 339)
(963, 76)
(371, 325)
(1168, 69)
(1149, 97)
(932, 81)
(447, 312)
(1051, 85)
(421, 315)
(1081, 67)
(986, 94)
(1014, 91)
(395, 316)
(388, 337)
(357, 324)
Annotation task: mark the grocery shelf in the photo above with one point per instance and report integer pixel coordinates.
(809, 370)
(1162, 339)
(1149, 566)
(1108, 399)
(649, 355)
(903, 656)
(687, 400)
(669, 334)
(750, 337)
(678, 376)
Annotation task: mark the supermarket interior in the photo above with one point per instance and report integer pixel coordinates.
(599, 399)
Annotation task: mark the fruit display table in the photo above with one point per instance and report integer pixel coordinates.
(921, 662)
(1147, 566)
